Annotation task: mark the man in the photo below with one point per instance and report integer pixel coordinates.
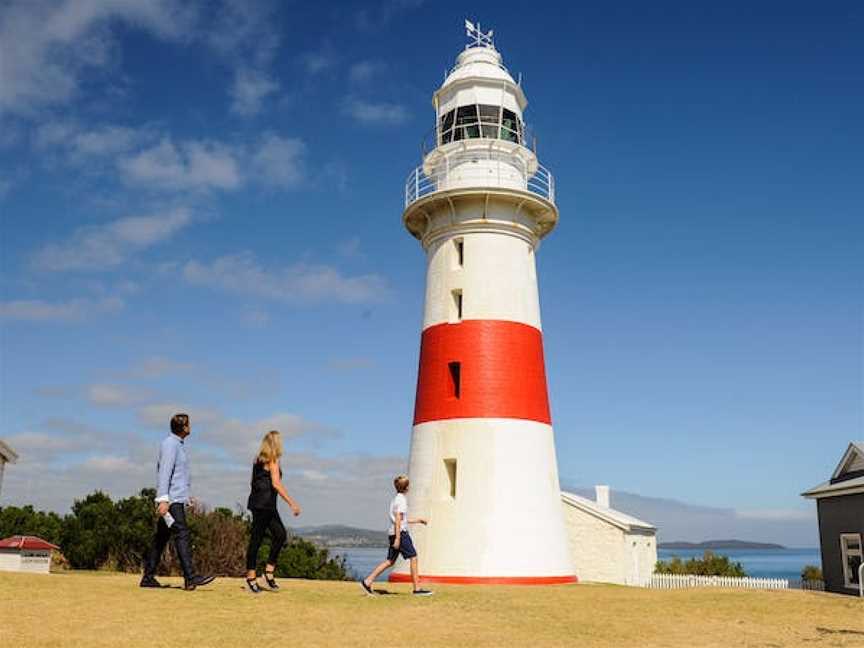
(172, 495)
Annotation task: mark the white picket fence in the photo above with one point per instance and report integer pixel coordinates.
(686, 581)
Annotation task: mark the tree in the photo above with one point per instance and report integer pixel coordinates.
(811, 573)
(302, 559)
(26, 521)
(89, 531)
(135, 518)
(709, 565)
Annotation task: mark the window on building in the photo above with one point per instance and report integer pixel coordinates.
(455, 379)
(851, 554)
(456, 307)
(479, 120)
(450, 468)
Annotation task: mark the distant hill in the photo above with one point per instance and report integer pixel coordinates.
(719, 544)
(339, 535)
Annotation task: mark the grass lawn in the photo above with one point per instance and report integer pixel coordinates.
(97, 609)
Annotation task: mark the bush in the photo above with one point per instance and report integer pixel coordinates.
(26, 521)
(709, 565)
(102, 534)
(219, 540)
(302, 559)
(811, 573)
(88, 532)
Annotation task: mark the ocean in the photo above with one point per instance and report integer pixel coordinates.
(763, 563)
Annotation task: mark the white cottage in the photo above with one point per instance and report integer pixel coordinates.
(7, 455)
(26, 554)
(608, 546)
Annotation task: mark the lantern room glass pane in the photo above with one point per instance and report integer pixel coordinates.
(447, 120)
(466, 115)
(509, 119)
(489, 114)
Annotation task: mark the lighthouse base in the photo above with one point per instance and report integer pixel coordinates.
(487, 580)
(488, 489)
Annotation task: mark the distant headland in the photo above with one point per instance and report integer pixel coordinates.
(719, 544)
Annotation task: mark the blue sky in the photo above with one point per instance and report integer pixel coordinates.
(201, 210)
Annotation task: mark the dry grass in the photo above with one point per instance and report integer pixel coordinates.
(98, 609)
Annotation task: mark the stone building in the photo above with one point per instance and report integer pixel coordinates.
(608, 546)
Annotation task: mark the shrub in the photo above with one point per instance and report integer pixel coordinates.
(302, 559)
(219, 540)
(709, 565)
(102, 534)
(811, 573)
(88, 532)
(26, 521)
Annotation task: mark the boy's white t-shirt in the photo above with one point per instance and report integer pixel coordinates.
(398, 505)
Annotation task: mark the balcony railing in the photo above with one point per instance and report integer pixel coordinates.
(479, 170)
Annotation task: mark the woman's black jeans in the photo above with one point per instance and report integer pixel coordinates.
(262, 521)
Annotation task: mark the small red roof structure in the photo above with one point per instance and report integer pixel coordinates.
(28, 543)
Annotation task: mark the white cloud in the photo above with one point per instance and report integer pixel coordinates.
(158, 366)
(363, 71)
(75, 310)
(377, 16)
(242, 274)
(191, 165)
(280, 161)
(111, 395)
(369, 112)
(47, 44)
(82, 144)
(249, 90)
(318, 61)
(103, 246)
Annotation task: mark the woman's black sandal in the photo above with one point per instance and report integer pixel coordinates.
(271, 581)
(252, 584)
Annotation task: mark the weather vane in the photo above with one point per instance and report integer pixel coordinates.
(478, 38)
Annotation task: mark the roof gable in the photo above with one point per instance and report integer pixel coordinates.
(24, 542)
(851, 465)
(610, 515)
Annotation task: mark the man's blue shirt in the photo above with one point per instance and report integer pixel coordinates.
(173, 483)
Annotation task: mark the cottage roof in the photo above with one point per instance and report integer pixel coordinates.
(610, 515)
(7, 453)
(848, 477)
(26, 542)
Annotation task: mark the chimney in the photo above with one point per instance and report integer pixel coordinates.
(602, 495)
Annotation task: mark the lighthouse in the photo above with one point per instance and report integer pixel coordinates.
(482, 463)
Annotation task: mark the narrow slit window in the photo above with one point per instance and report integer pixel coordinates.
(456, 314)
(455, 379)
(460, 252)
(450, 467)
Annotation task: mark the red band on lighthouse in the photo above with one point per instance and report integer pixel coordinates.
(482, 369)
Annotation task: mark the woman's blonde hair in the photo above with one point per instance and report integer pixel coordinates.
(271, 447)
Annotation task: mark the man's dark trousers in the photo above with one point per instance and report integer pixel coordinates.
(180, 531)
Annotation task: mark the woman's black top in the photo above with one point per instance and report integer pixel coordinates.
(263, 495)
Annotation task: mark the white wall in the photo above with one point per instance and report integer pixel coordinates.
(36, 562)
(604, 553)
(506, 519)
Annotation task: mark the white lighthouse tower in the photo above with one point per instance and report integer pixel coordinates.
(482, 466)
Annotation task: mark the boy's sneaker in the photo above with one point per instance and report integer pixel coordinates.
(367, 589)
(423, 592)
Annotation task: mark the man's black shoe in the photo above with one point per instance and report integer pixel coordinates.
(149, 581)
(198, 581)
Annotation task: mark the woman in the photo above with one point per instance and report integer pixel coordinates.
(266, 484)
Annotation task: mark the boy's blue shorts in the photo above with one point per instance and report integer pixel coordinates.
(406, 547)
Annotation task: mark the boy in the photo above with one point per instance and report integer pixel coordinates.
(400, 540)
